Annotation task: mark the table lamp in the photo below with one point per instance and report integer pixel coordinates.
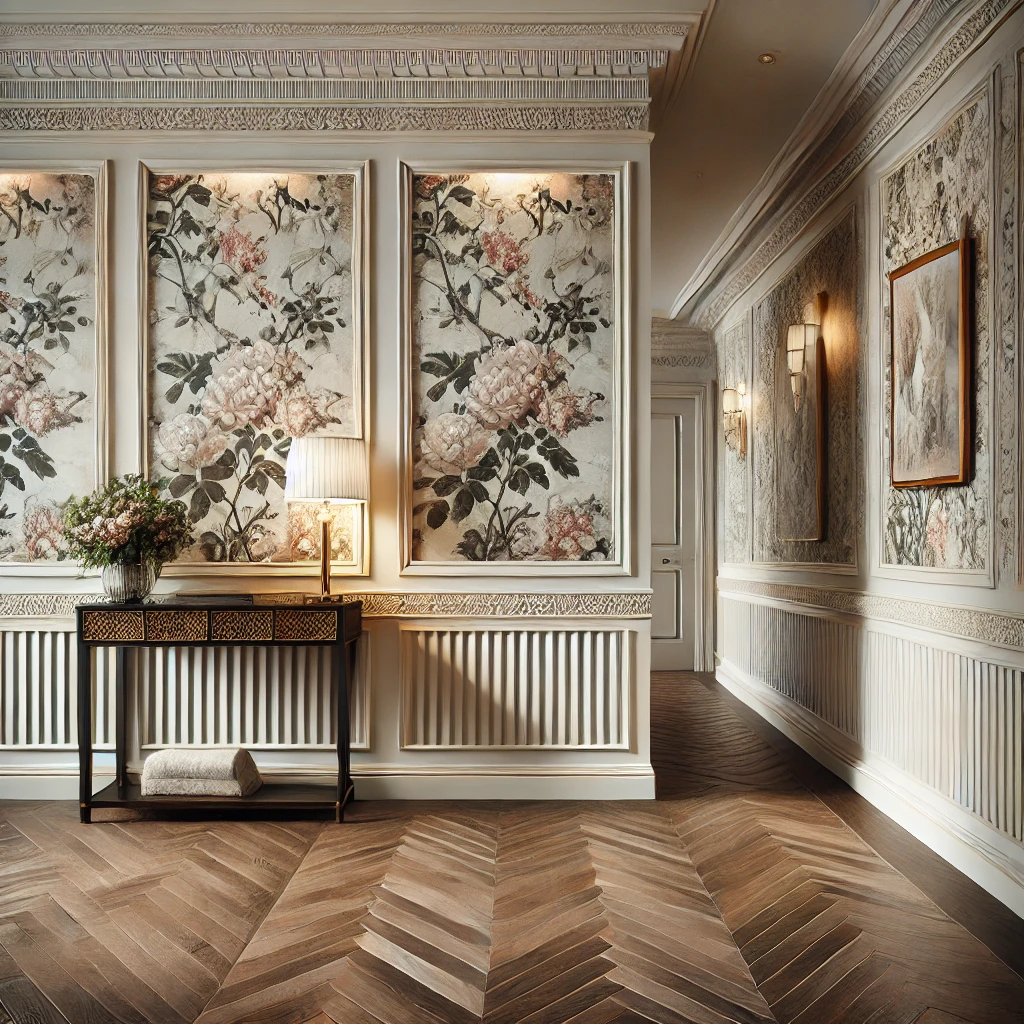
(330, 471)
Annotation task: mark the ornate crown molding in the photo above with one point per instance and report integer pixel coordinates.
(970, 623)
(627, 605)
(677, 345)
(852, 119)
(488, 76)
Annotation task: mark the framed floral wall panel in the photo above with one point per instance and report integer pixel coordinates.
(515, 384)
(253, 300)
(52, 356)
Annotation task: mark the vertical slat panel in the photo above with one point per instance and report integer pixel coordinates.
(954, 722)
(514, 688)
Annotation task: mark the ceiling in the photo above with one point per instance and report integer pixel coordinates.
(732, 117)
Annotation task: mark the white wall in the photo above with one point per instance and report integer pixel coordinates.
(600, 611)
(907, 681)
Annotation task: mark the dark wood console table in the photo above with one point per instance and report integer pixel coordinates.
(212, 622)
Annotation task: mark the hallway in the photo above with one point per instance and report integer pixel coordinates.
(737, 896)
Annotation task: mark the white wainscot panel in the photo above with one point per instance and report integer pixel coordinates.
(257, 697)
(950, 719)
(528, 688)
(39, 691)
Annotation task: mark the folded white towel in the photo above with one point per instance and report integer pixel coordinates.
(179, 771)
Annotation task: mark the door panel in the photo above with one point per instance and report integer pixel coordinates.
(673, 531)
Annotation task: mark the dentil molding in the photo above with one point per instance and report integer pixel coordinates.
(970, 623)
(628, 605)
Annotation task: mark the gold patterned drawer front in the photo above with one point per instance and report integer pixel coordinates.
(176, 626)
(116, 627)
(293, 624)
(243, 626)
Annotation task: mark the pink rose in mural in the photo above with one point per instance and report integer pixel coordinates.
(252, 340)
(453, 442)
(188, 440)
(513, 309)
(509, 382)
(44, 532)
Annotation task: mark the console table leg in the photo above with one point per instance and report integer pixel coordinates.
(120, 737)
(84, 732)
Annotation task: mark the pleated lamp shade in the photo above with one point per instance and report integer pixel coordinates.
(333, 469)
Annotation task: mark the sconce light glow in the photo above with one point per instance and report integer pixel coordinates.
(799, 337)
(734, 401)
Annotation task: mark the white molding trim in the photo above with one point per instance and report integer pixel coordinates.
(997, 629)
(55, 611)
(991, 859)
(625, 781)
(624, 399)
(100, 172)
(360, 171)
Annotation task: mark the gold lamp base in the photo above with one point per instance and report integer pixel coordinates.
(325, 552)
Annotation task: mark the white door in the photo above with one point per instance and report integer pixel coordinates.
(673, 531)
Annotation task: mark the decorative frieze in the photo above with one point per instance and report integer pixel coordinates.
(628, 605)
(397, 118)
(676, 345)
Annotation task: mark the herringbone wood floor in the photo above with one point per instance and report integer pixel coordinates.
(737, 896)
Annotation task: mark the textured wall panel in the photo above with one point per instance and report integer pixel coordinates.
(516, 688)
(950, 720)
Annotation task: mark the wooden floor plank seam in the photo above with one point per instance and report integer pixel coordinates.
(738, 897)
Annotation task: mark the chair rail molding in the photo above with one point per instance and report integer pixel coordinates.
(393, 605)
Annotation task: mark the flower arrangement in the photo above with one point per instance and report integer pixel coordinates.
(126, 523)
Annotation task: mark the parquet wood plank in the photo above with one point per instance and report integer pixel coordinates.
(738, 897)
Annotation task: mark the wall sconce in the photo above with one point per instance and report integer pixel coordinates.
(799, 338)
(734, 414)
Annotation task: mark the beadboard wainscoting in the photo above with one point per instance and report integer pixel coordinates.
(516, 688)
(928, 726)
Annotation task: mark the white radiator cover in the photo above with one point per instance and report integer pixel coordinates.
(529, 688)
(263, 698)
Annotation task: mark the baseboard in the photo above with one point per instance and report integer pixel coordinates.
(988, 857)
(400, 782)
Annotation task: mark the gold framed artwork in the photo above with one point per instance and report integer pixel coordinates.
(53, 372)
(252, 293)
(929, 429)
(515, 382)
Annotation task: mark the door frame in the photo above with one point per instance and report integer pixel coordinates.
(705, 560)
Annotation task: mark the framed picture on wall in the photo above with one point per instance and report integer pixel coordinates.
(516, 390)
(53, 429)
(930, 337)
(252, 282)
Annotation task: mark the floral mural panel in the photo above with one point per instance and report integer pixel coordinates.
(48, 352)
(253, 341)
(514, 362)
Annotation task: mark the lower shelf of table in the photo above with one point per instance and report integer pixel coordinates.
(285, 797)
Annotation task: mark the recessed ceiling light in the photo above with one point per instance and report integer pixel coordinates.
(766, 58)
